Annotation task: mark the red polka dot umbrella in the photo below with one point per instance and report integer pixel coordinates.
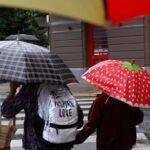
(123, 80)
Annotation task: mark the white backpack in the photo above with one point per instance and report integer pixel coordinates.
(58, 107)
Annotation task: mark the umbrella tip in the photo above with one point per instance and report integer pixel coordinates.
(17, 39)
(132, 61)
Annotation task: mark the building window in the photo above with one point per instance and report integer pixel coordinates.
(97, 44)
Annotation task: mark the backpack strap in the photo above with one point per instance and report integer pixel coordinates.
(67, 88)
(38, 90)
(63, 126)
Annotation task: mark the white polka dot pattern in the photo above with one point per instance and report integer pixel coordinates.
(130, 86)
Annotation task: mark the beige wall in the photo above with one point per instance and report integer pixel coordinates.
(67, 40)
(131, 40)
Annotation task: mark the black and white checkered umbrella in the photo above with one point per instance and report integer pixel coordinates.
(29, 63)
(22, 37)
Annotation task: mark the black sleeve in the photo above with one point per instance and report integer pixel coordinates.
(13, 106)
(94, 117)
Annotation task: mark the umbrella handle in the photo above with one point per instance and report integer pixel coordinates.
(107, 100)
(132, 61)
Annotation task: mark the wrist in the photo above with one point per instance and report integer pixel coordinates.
(10, 96)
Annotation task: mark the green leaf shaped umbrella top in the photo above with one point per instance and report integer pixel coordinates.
(131, 66)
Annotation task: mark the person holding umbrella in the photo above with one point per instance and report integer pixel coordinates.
(28, 66)
(114, 114)
(27, 99)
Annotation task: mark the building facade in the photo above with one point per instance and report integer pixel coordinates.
(82, 45)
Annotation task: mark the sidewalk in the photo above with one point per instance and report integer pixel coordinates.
(84, 88)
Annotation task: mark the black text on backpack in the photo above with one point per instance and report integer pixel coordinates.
(60, 115)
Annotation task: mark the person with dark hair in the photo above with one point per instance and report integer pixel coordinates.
(26, 99)
(115, 124)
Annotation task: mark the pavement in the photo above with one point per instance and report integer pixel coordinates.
(83, 88)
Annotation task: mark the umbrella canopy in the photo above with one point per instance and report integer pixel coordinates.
(94, 12)
(86, 10)
(22, 37)
(29, 63)
(123, 80)
(123, 10)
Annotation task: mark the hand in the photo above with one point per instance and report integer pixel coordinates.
(10, 96)
(80, 138)
(13, 88)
